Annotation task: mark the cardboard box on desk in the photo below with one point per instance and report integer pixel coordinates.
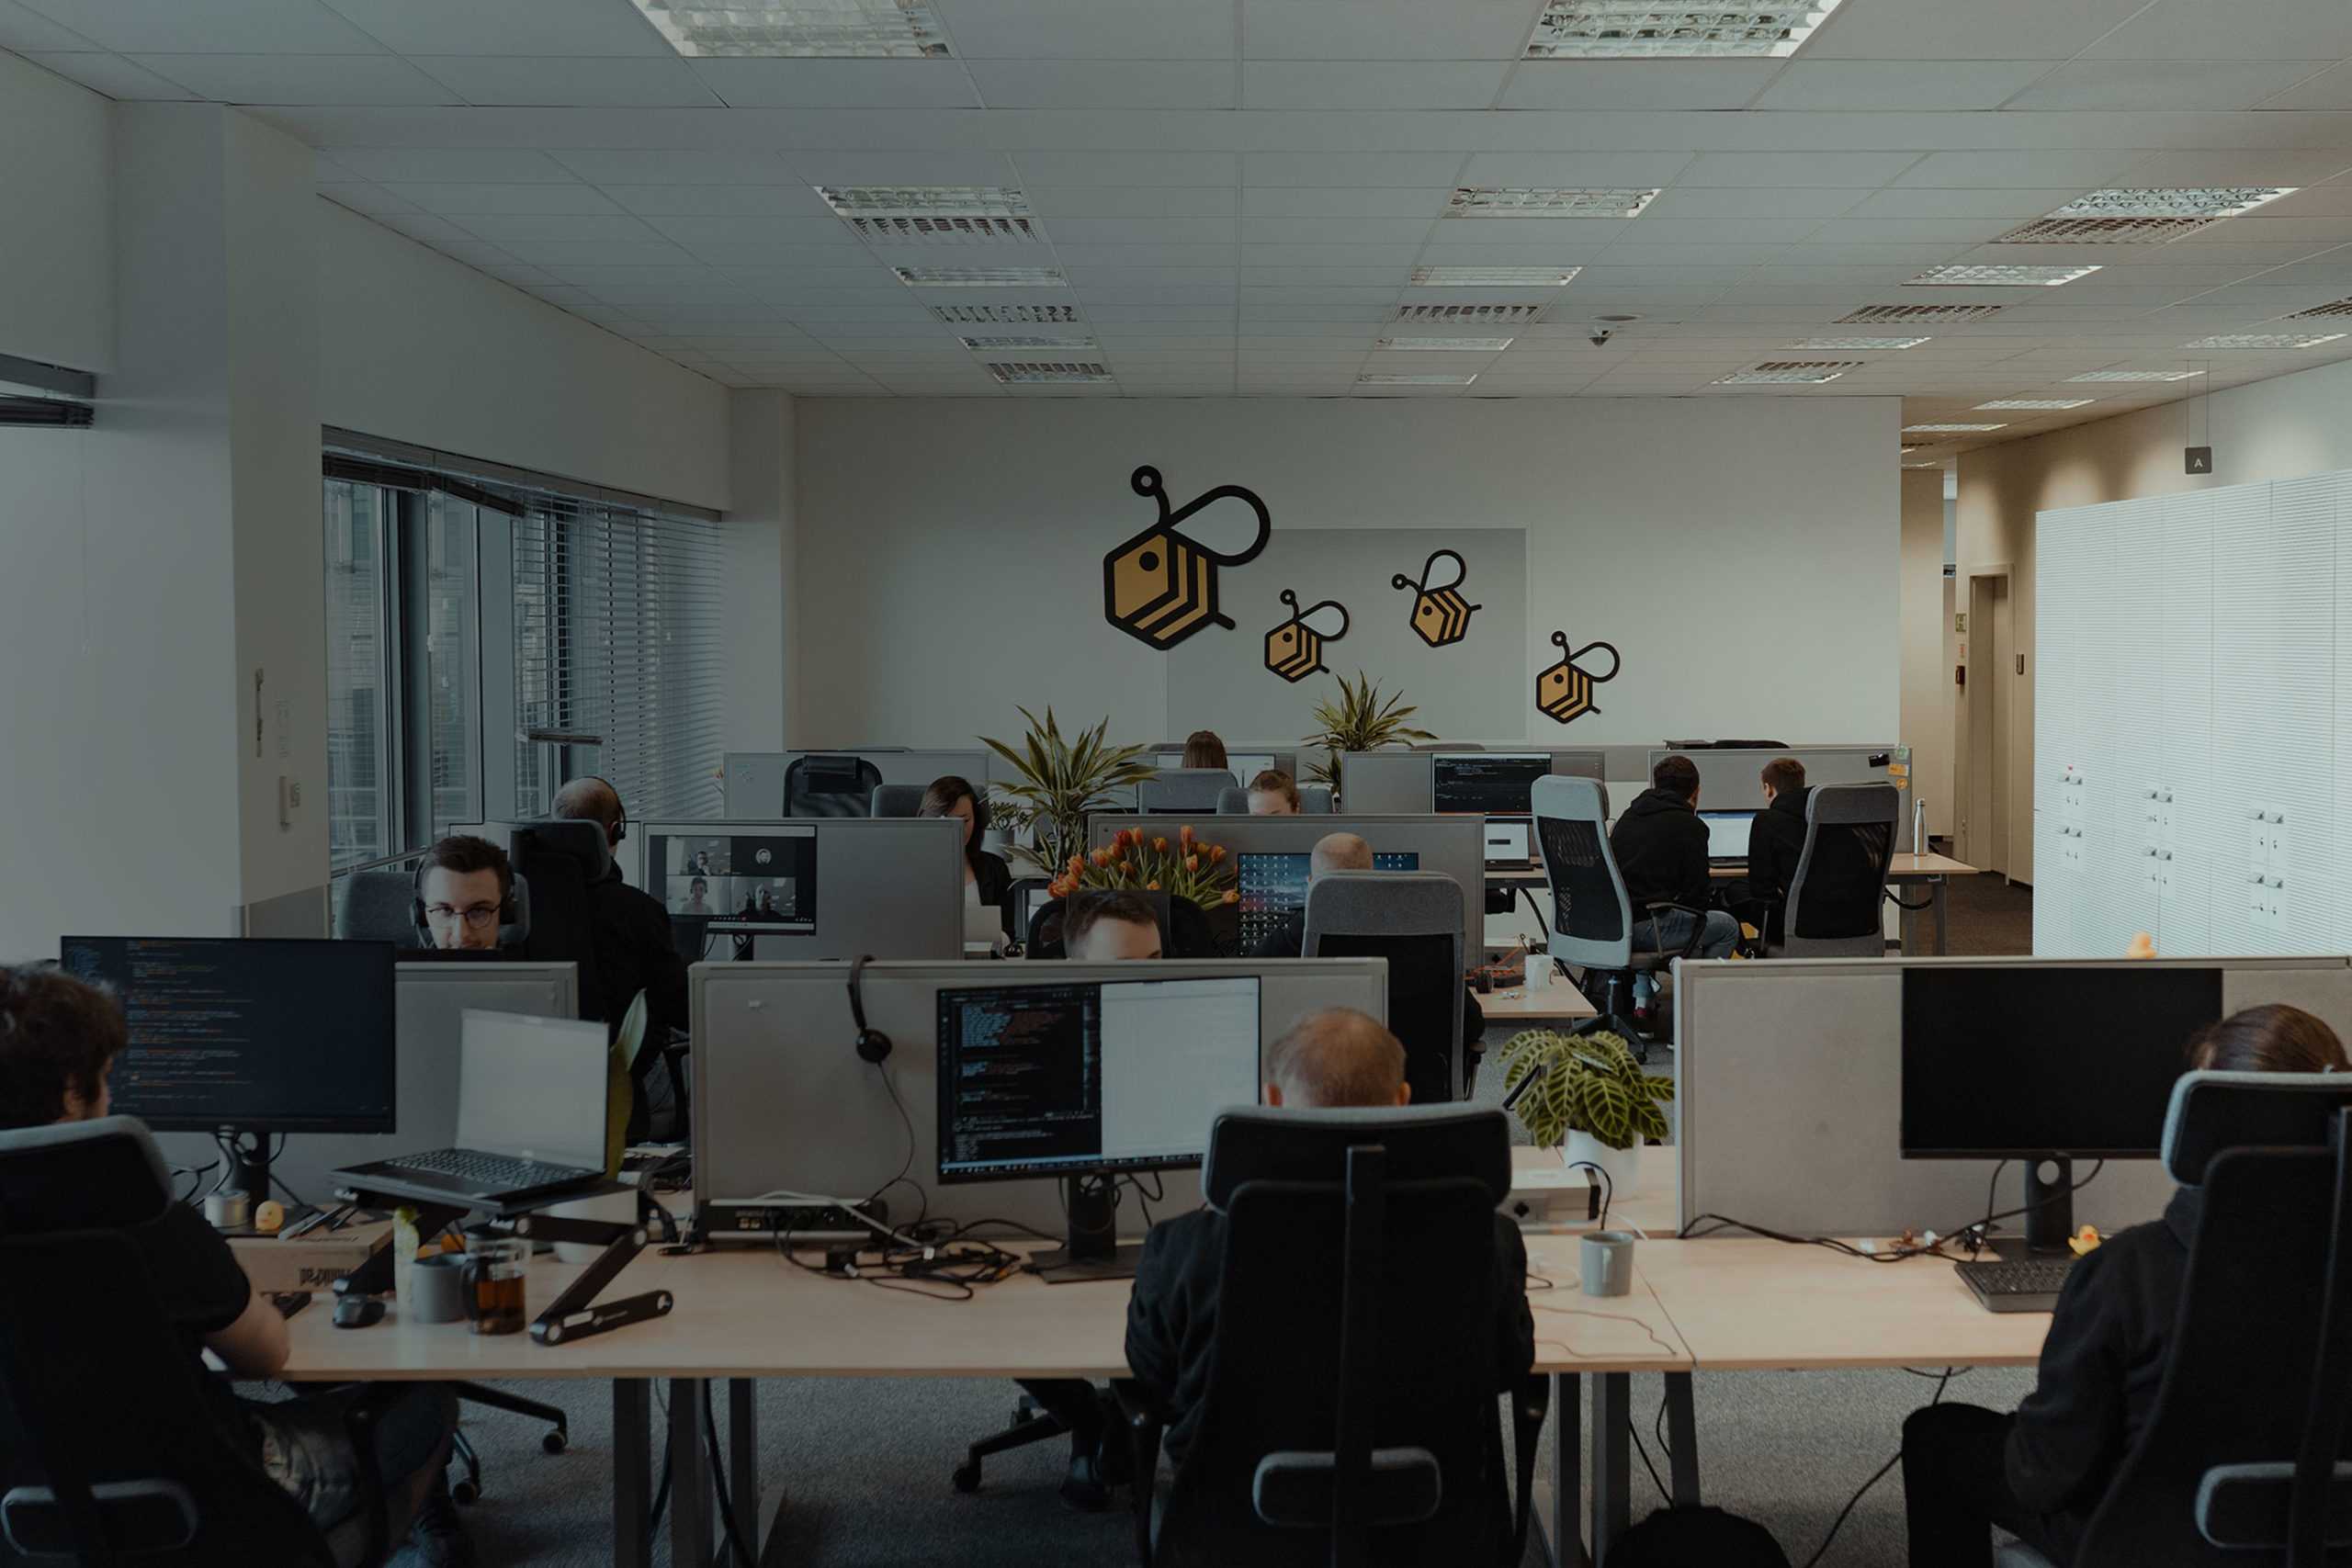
(311, 1262)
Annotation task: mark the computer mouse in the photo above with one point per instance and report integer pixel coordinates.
(358, 1311)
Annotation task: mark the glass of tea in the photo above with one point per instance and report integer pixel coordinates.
(493, 1282)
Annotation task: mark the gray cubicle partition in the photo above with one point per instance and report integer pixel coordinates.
(427, 999)
(754, 780)
(1454, 845)
(1399, 783)
(891, 887)
(1790, 1083)
(1730, 779)
(783, 1102)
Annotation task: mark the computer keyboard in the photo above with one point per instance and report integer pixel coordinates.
(2023, 1284)
(491, 1171)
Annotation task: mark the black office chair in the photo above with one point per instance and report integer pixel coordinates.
(1840, 880)
(1413, 919)
(2242, 1462)
(896, 800)
(1350, 1413)
(560, 859)
(110, 1452)
(1185, 930)
(1592, 915)
(821, 785)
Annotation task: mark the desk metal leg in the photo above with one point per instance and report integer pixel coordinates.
(691, 1536)
(1682, 1437)
(1936, 894)
(632, 1472)
(1613, 1487)
(743, 1457)
(1559, 1498)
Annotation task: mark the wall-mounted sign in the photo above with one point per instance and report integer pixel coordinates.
(1295, 649)
(1440, 613)
(1160, 586)
(1564, 691)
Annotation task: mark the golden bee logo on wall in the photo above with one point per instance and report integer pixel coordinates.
(1295, 649)
(1440, 613)
(1564, 691)
(1161, 587)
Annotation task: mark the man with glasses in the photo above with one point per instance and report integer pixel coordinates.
(462, 889)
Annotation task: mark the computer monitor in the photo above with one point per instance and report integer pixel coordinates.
(2046, 1065)
(1088, 1080)
(739, 884)
(1728, 833)
(250, 1036)
(1274, 887)
(1494, 783)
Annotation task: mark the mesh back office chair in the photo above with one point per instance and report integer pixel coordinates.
(1592, 915)
(898, 800)
(818, 785)
(561, 859)
(2247, 1432)
(109, 1449)
(382, 908)
(1413, 919)
(1841, 874)
(1183, 789)
(1350, 1413)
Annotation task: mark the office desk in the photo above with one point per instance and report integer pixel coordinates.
(1930, 871)
(1518, 1005)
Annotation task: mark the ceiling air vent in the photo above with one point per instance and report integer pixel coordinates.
(1893, 315)
(964, 315)
(1775, 370)
(1027, 372)
(1467, 315)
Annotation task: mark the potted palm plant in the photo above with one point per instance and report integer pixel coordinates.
(1361, 720)
(1593, 1102)
(1061, 780)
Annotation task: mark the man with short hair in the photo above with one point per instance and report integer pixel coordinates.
(1106, 925)
(465, 885)
(1776, 841)
(1661, 847)
(635, 951)
(1273, 794)
(1330, 1060)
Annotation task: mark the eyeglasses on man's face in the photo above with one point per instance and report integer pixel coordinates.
(476, 917)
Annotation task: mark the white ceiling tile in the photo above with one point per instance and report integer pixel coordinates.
(267, 79)
(794, 201)
(175, 26)
(115, 77)
(24, 32)
(1075, 167)
(1105, 84)
(1382, 29)
(1067, 232)
(1830, 167)
(2207, 86)
(1644, 84)
(507, 26)
(453, 165)
(1345, 201)
(750, 228)
(837, 84)
(360, 195)
(1910, 86)
(510, 82)
(2043, 168)
(576, 228)
(542, 198)
(1282, 170)
(1982, 30)
(1055, 203)
(1393, 85)
(2242, 29)
(1089, 30)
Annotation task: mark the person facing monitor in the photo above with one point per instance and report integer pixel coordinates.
(59, 1038)
(1776, 840)
(1661, 847)
(1110, 926)
(1204, 749)
(464, 887)
(1330, 1060)
(631, 938)
(2041, 1473)
(986, 876)
(1273, 794)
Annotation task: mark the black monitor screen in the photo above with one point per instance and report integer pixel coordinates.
(2003, 1063)
(1274, 887)
(745, 883)
(1496, 783)
(268, 1036)
(1048, 1080)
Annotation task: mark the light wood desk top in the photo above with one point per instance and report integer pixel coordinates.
(1746, 1302)
(1928, 865)
(1519, 1004)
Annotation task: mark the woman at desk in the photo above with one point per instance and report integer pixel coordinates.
(2039, 1475)
(1204, 749)
(986, 876)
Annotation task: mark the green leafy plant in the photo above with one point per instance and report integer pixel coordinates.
(1061, 780)
(1591, 1084)
(1361, 720)
(1183, 867)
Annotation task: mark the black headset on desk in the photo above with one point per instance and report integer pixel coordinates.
(872, 1046)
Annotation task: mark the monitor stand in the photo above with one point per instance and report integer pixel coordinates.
(249, 1170)
(2048, 1211)
(1093, 1252)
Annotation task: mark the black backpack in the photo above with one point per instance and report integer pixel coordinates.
(1696, 1538)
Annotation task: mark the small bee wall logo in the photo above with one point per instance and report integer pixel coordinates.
(1440, 613)
(1564, 691)
(1161, 587)
(1295, 649)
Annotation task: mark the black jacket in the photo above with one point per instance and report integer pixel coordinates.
(635, 952)
(1172, 1317)
(1661, 847)
(1775, 843)
(2102, 1366)
(990, 875)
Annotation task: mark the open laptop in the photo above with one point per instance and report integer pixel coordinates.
(531, 1118)
(1511, 843)
(1727, 836)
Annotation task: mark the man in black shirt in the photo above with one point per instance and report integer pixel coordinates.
(1329, 1060)
(1661, 847)
(1776, 840)
(634, 948)
(58, 1038)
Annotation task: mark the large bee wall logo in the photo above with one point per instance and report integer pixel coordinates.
(1161, 587)
(1564, 691)
(1295, 649)
(1440, 613)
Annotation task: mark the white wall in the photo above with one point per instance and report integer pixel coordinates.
(1927, 680)
(1742, 554)
(56, 219)
(762, 554)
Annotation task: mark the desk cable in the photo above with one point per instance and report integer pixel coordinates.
(1970, 1235)
(1880, 1474)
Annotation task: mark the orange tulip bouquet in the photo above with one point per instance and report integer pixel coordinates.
(1182, 867)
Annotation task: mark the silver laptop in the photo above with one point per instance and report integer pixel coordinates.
(1727, 836)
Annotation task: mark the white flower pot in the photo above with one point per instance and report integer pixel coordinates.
(1623, 1166)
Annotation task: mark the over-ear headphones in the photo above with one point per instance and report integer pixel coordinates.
(872, 1046)
(619, 829)
(506, 913)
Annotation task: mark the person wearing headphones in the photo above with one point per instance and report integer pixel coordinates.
(986, 876)
(630, 931)
(464, 888)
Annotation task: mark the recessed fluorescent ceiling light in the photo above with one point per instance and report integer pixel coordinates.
(958, 315)
(1786, 370)
(1620, 29)
(1493, 277)
(1374, 380)
(992, 345)
(1859, 342)
(931, 215)
(829, 29)
(1011, 374)
(2321, 312)
(1471, 315)
(2008, 276)
(1454, 345)
(2137, 376)
(1948, 429)
(1893, 315)
(1534, 202)
(2034, 403)
(980, 277)
(2133, 216)
(2264, 340)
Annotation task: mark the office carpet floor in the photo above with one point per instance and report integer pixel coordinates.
(866, 1461)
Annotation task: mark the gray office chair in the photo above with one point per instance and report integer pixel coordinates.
(1413, 919)
(899, 800)
(1841, 874)
(1184, 789)
(2244, 1445)
(1234, 802)
(381, 906)
(1315, 800)
(828, 785)
(1592, 915)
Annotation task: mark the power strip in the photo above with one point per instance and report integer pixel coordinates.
(739, 1221)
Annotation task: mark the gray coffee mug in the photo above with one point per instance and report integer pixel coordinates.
(437, 1288)
(1609, 1263)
